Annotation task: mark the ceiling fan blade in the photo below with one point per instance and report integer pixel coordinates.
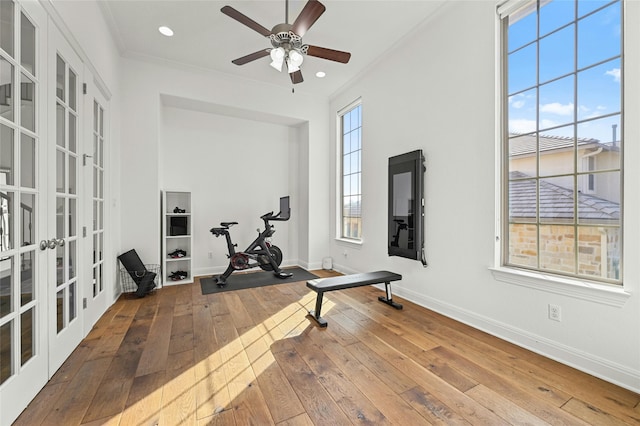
(330, 54)
(309, 15)
(296, 77)
(251, 57)
(243, 19)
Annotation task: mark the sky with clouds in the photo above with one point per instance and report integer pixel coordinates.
(579, 70)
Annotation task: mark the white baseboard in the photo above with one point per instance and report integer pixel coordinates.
(217, 270)
(598, 367)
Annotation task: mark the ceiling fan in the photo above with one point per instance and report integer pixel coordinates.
(286, 40)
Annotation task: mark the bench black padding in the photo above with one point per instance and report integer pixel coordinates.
(322, 285)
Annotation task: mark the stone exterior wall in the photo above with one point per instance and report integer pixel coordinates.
(598, 249)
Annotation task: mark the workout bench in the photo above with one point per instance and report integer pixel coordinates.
(322, 285)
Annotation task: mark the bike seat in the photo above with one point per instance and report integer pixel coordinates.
(227, 224)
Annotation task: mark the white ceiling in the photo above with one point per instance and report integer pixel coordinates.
(205, 38)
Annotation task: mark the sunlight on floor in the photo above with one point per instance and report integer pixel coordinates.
(229, 371)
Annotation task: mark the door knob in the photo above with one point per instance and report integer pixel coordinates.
(60, 242)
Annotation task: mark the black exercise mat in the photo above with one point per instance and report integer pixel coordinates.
(254, 279)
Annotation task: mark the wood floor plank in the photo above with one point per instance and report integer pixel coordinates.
(320, 407)
(432, 408)
(280, 397)
(109, 400)
(593, 415)
(212, 393)
(144, 402)
(246, 396)
(178, 392)
(40, 407)
(181, 333)
(70, 409)
(353, 403)
(503, 407)
(392, 406)
(156, 351)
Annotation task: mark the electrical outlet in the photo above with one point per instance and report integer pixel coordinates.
(555, 313)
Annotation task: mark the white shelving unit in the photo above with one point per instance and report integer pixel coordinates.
(176, 235)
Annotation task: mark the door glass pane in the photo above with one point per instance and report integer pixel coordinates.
(6, 347)
(101, 184)
(6, 220)
(101, 122)
(6, 89)
(6, 287)
(27, 161)
(72, 301)
(27, 219)
(95, 215)
(73, 214)
(28, 45)
(60, 310)
(6, 29)
(60, 186)
(101, 279)
(72, 259)
(100, 215)
(95, 183)
(26, 277)
(95, 281)
(60, 215)
(95, 149)
(60, 139)
(72, 132)
(101, 152)
(27, 104)
(72, 90)
(27, 341)
(60, 265)
(6, 155)
(72, 174)
(60, 80)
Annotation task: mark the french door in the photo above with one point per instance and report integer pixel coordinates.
(24, 362)
(65, 273)
(94, 170)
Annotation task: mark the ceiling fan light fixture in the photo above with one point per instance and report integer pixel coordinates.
(294, 60)
(277, 58)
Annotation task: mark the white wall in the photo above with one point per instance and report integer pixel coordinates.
(143, 177)
(443, 100)
(236, 170)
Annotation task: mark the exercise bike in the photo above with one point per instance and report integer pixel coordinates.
(260, 253)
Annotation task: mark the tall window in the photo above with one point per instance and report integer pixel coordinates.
(563, 137)
(351, 147)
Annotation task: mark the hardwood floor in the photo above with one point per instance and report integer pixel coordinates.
(178, 357)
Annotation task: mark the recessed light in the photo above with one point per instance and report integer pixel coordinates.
(320, 74)
(166, 31)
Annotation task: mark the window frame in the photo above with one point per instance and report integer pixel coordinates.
(340, 228)
(607, 291)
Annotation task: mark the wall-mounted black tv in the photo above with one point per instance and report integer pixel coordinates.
(406, 206)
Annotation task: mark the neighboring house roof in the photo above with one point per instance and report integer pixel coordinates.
(526, 144)
(556, 202)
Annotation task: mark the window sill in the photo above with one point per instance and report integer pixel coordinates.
(579, 289)
(346, 241)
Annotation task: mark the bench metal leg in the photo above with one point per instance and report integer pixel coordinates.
(389, 299)
(316, 314)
